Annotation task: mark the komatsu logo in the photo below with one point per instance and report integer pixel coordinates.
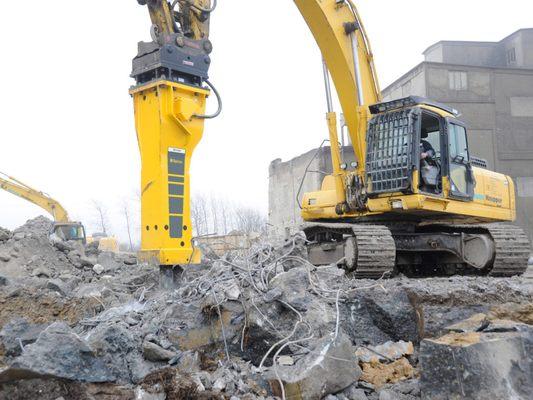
(494, 199)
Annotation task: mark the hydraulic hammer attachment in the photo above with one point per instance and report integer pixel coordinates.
(170, 101)
(167, 132)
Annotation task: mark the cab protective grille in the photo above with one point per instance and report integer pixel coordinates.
(390, 151)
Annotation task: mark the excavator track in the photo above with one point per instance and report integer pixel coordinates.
(512, 250)
(374, 250)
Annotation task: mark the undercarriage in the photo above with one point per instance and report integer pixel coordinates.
(377, 251)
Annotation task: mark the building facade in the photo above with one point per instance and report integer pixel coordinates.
(490, 83)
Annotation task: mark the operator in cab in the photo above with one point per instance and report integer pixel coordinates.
(427, 150)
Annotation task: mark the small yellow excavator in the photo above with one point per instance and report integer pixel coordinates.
(415, 199)
(63, 227)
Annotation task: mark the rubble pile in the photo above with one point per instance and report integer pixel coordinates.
(254, 324)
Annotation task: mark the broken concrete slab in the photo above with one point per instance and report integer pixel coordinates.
(475, 323)
(294, 285)
(58, 352)
(478, 365)
(108, 260)
(57, 285)
(385, 352)
(19, 333)
(88, 261)
(329, 368)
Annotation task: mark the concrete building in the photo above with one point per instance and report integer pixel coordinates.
(491, 83)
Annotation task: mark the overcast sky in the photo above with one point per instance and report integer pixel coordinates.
(67, 123)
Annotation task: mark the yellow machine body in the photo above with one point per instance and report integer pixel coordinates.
(167, 133)
(493, 200)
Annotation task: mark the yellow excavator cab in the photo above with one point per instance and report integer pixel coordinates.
(69, 231)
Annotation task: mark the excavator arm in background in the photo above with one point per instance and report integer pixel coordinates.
(20, 189)
(63, 226)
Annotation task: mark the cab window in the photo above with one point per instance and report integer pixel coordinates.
(458, 144)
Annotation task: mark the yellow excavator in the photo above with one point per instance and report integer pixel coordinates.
(63, 227)
(415, 200)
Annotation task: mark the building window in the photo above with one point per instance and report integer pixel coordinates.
(458, 80)
(511, 56)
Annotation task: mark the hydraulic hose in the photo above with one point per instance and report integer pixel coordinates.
(219, 100)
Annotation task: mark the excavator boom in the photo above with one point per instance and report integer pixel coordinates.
(20, 189)
(341, 37)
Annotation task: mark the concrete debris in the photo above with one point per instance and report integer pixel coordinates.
(5, 235)
(237, 325)
(388, 351)
(58, 352)
(17, 334)
(98, 269)
(379, 374)
(479, 365)
(329, 368)
(153, 352)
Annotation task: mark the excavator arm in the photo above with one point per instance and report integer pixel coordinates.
(20, 189)
(341, 37)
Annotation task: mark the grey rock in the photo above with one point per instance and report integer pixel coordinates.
(131, 260)
(323, 371)
(155, 353)
(354, 393)
(62, 245)
(294, 284)
(115, 343)
(19, 236)
(494, 365)
(388, 395)
(19, 332)
(88, 261)
(57, 285)
(58, 352)
(42, 272)
(5, 235)
(272, 295)
(410, 387)
(98, 269)
(5, 257)
(4, 281)
(108, 261)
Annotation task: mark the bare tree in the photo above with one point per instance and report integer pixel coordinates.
(102, 218)
(199, 215)
(127, 218)
(250, 220)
